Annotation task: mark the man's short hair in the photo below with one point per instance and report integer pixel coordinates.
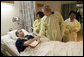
(16, 33)
(72, 12)
(46, 7)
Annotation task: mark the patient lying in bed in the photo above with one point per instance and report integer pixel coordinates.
(46, 47)
(25, 41)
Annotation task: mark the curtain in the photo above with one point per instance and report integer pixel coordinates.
(28, 10)
(66, 8)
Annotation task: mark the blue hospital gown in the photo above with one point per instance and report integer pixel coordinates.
(19, 43)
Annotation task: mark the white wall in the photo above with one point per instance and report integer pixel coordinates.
(8, 11)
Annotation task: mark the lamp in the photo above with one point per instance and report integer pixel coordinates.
(16, 19)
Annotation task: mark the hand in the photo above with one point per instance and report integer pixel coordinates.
(38, 37)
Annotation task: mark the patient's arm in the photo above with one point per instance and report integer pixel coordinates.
(31, 40)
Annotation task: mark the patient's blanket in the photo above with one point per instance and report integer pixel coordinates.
(55, 48)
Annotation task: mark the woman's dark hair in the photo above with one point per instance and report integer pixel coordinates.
(16, 33)
(41, 14)
(72, 12)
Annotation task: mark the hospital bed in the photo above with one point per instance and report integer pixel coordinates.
(8, 48)
(8, 43)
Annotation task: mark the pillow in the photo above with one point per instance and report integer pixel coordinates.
(14, 37)
(12, 34)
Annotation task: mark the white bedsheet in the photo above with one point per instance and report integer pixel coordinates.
(48, 48)
(55, 48)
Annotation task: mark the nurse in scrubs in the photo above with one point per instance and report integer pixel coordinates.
(37, 22)
(72, 27)
(52, 25)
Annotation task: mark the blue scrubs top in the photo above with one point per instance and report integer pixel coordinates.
(19, 43)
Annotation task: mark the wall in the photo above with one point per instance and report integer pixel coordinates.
(55, 5)
(8, 11)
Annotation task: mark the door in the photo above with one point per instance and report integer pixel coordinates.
(66, 8)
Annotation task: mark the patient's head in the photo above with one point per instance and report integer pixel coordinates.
(19, 33)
